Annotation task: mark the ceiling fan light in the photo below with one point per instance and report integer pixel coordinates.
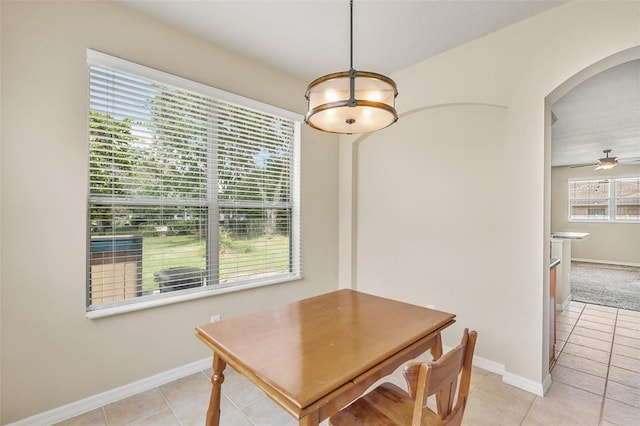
(608, 165)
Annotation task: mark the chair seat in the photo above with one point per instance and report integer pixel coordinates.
(386, 405)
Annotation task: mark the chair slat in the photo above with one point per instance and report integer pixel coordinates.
(387, 405)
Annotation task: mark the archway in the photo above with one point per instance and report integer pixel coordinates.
(572, 82)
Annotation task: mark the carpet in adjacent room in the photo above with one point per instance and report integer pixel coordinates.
(608, 285)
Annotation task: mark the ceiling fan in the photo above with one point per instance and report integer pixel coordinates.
(607, 163)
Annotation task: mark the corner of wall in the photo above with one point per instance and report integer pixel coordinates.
(531, 386)
(1, 50)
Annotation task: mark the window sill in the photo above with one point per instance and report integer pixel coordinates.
(601, 221)
(108, 311)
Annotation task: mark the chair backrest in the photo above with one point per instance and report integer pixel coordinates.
(440, 377)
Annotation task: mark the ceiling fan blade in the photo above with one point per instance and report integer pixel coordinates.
(629, 160)
(583, 165)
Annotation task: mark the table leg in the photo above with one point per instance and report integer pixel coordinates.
(436, 352)
(436, 349)
(311, 419)
(213, 413)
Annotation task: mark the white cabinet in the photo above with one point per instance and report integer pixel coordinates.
(561, 249)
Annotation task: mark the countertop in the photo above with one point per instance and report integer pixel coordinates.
(570, 235)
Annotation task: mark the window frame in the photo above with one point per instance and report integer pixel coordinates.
(102, 60)
(611, 201)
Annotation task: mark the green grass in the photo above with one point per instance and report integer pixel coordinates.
(239, 257)
(251, 257)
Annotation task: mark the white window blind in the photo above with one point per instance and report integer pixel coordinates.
(188, 192)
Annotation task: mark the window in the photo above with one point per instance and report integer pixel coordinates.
(192, 190)
(589, 200)
(605, 200)
(627, 197)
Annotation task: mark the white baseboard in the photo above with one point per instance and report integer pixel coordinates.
(564, 303)
(96, 401)
(489, 365)
(606, 262)
(546, 384)
(531, 386)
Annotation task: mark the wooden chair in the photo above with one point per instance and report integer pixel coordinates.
(388, 405)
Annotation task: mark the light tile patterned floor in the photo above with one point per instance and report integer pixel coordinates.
(598, 362)
(596, 381)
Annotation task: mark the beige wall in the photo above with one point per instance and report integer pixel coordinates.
(51, 353)
(472, 128)
(607, 242)
(428, 231)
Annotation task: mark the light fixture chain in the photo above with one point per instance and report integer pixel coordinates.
(352, 73)
(351, 35)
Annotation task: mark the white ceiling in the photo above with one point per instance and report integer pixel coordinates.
(310, 38)
(601, 113)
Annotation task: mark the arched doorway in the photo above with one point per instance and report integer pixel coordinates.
(608, 63)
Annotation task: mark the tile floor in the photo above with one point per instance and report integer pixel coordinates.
(596, 381)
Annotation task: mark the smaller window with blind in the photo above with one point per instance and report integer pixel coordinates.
(605, 200)
(192, 191)
(627, 199)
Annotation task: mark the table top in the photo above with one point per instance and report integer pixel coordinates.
(307, 349)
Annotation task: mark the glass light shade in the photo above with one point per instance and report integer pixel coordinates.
(332, 109)
(607, 163)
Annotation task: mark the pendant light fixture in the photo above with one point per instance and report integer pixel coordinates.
(351, 101)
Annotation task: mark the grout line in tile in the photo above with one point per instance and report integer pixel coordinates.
(573, 326)
(606, 381)
(533, 401)
(581, 372)
(166, 401)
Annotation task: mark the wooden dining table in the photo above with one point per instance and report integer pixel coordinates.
(317, 355)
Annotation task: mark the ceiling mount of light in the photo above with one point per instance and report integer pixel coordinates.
(351, 101)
